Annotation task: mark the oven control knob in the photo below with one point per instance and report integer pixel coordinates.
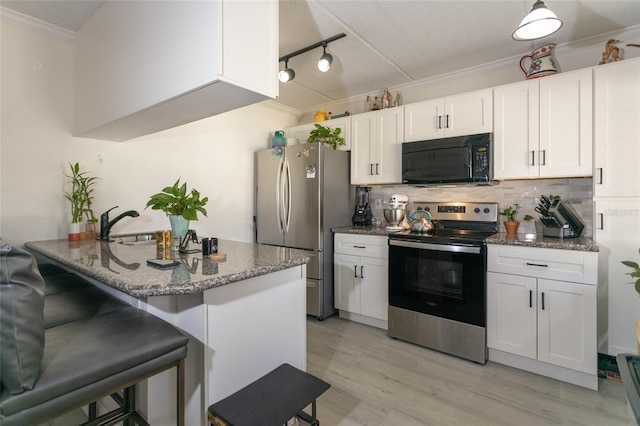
(477, 210)
(486, 210)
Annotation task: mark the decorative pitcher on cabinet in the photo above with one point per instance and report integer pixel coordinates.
(542, 62)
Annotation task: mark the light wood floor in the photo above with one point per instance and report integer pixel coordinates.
(377, 380)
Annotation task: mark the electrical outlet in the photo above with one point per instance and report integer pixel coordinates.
(377, 203)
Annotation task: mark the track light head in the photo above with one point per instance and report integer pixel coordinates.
(325, 60)
(287, 74)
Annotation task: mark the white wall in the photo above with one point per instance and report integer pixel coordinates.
(214, 155)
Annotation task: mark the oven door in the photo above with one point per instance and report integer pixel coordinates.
(442, 280)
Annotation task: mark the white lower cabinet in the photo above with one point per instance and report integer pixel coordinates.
(360, 277)
(544, 325)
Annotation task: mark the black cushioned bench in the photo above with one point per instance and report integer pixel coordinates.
(271, 400)
(94, 346)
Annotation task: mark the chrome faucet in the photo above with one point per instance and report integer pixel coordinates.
(105, 225)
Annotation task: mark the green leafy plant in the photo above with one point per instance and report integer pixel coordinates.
(81, 194)
(635, 273)
(323, 134)
(511, 213)
(176, 200)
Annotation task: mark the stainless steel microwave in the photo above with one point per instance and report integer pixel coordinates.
(460, 159)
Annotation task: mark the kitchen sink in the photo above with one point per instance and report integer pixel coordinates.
(135, 240)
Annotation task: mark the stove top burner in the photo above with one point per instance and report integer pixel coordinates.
(455, 222)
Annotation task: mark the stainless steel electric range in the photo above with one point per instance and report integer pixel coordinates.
(437, 280)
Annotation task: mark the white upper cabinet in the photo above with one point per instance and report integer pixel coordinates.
(376, 147)
(142, 67)
(543, 128)
(458, 115)
(617, 129)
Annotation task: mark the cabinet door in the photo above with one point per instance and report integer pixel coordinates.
(567, 325)
(516, 131)
(363, 130)
(617, 232)
(566, 125)
(617, 129)
(374, 291)
(468, 113)
(346, 270)
(388, 147)
(511, 314)
(422, 120)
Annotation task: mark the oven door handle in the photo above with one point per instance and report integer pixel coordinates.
(462, 248)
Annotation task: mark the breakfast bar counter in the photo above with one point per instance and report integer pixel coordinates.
(124, 267)
(244, 316)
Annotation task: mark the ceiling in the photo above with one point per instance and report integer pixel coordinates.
(391, 42)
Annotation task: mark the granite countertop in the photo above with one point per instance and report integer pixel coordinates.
(363, 230)
(124, 266)
(536, 240)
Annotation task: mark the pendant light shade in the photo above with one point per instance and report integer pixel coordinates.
(540, 22)
(325, 60)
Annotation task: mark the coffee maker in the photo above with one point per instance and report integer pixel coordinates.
(362, 216)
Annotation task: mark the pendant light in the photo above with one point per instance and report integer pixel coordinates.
(325, 60)
(540, 22)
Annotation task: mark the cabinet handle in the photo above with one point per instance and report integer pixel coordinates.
(359, 246)
(361, 271)
(531, 298)
(439, 122)
(355, 271)
(371, 169)
(544, 157)
(543, 300)
(377, 168)
(601, 221)
(533, 158)
(447, 121)
(599, 169)
(537, 264)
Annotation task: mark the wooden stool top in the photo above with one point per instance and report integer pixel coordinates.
(271, 400)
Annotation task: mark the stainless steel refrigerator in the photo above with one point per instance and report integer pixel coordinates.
(302, 192)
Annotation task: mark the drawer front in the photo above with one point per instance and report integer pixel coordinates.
(361, 245)
(561, 265)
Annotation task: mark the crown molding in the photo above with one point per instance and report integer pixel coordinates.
(38, 26)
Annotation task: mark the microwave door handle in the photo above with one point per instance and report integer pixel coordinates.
(470, 164)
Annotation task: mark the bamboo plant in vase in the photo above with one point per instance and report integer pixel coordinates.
(81, 199)
(180, 205)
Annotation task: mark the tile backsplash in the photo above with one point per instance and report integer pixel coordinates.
(576, 191)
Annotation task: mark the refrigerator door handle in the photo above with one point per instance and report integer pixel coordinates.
(279, 196)
(288, 201)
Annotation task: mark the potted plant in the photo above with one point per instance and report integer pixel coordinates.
(323, 134)
(510, 213)
(81, 199)
(635, 274)
(180, 205)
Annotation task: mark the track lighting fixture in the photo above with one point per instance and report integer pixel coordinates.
(325, 60)
(287, 74)
(540, 22)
